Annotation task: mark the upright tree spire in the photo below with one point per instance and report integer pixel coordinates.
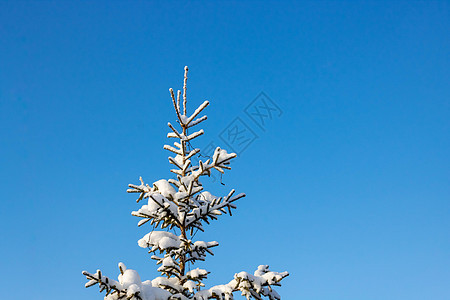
(181, 204)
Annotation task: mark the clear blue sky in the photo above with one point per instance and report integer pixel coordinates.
(348, 189)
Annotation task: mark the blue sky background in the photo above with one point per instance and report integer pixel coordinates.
(348, 189)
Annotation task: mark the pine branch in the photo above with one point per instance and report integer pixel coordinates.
(164, 212)
(110, 286)
(196, 112)
(197, 121)
(251, 286)
(185, 89)
(176, 105)
(212, 209)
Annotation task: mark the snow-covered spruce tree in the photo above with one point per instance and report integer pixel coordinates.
(182, 205)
